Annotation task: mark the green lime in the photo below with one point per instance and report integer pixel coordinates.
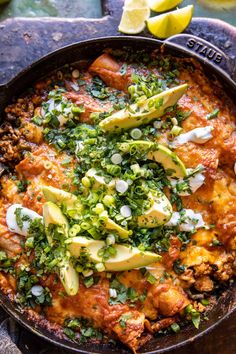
(171, 23)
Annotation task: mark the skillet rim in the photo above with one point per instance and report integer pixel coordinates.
(14, 311)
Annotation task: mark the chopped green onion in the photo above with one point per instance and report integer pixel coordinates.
(108, 200)
(196, 318)
(121, 186)
(110, 240)
(151, 279)
(100, 267)
(125, 211)
(88, 281)
(205, 302)
(175, 327)
(99, 208)
(87, 272)
(136, 133)
(157, 124)
(86, 182)
(74, 230)
(116, 159)
(213, 114)
(29, 243)
(85, 225)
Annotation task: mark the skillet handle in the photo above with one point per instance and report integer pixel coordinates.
(207, 51)
(3, 98)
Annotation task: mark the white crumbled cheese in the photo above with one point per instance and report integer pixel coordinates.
(113, 293)
(25, 213)
(186, 222)
(198, 135)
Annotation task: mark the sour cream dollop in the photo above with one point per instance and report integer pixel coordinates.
(26, 215)
(198, 135)
(187, 222)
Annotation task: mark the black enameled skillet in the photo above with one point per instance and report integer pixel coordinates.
(217, 65)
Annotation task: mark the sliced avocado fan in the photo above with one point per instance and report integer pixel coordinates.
(59, 196)
(173, 166)
(53, 215)
(159, 213)
(112, 226)
(143, 112)
(126, 257)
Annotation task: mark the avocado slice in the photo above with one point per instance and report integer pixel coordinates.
(59, 196)
(52, 214)
(143, 112)
(69, 278)
(111, 225)
(126, 258)
(158, 153)
(159, 213)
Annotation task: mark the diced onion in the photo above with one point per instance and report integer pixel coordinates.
(37, 290)
(125, 211)
(121, 186)
(136, 133)
(116, 159)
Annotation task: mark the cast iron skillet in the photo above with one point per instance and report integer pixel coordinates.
(216, 64)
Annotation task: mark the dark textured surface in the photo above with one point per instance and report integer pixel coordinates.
(24, 41)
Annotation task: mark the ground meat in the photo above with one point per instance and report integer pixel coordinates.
(202, 269)
(11, 144)
(225, 267)
(204, 283)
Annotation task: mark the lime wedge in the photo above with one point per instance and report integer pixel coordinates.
(135, 13)
(136, 4)
(171, 23)
(163, 5)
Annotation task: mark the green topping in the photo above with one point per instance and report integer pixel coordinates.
(213, 114)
